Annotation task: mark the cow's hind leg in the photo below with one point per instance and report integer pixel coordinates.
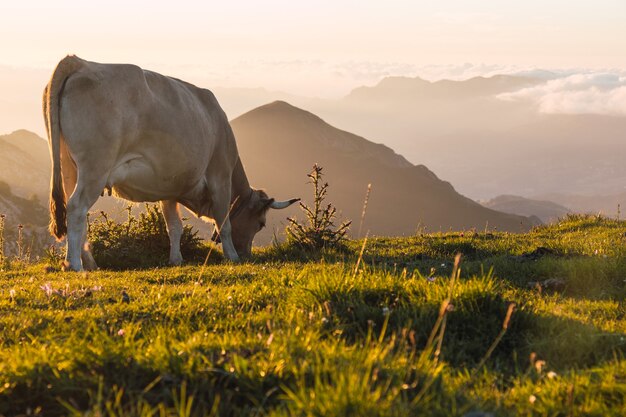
(89, 263)
(84, 196)
(174, 229)
(69, 181)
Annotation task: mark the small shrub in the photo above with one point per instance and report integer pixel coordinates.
(139, 242)
(320, 232)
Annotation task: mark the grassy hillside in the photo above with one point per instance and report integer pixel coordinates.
(297, 334)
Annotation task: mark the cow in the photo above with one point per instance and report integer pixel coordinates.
(146, 137)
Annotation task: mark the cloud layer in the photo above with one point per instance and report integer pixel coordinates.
(583, 93)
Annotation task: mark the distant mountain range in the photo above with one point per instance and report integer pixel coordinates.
(482, 144)
(403, 89)
(545, 211)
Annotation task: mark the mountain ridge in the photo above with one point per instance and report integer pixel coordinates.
(279, 143)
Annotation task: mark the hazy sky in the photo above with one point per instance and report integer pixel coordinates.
(256, 43)
(321, 48)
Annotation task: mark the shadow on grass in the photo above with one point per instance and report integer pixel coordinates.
(472, 326)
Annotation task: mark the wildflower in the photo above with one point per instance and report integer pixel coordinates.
(552, 375)
(121, 332)
(532, 399)
(539, 366)
(47, 288)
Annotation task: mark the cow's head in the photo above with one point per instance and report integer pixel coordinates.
(247, 218)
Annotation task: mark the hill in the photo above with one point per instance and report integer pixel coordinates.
(25, 163)
(286, 336)
(279, 143)
(546, 211)
(22, 216)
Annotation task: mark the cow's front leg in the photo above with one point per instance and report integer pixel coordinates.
(221, 209)
(174, 229)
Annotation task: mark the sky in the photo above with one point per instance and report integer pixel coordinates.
(322, 48)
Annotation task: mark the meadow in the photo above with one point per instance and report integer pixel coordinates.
(524, 325)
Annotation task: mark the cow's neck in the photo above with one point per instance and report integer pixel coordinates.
(240, 186)
(240, 190)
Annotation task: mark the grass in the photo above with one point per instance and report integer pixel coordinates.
(300, 334)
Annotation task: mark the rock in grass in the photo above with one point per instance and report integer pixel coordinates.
(550, 284)
(478, 414)
(538, 253)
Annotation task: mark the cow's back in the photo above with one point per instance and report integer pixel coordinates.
(118, 110)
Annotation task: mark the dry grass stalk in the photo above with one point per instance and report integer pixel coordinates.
(358, 261)
(367, 199)
(505, 326)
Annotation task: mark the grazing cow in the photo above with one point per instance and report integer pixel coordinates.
(147, 137)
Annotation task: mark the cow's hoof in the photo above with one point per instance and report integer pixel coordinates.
(66, 266)
(176, 261)
(89, 264)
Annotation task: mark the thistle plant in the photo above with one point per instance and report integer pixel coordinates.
(319, 230)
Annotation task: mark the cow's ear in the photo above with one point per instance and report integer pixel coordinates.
(265, 204)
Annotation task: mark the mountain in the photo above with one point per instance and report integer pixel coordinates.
(398, 89)
(546, 211)
(482, 144)
(25, 164)
(279, 143)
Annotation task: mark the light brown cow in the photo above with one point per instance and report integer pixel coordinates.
(147, 137)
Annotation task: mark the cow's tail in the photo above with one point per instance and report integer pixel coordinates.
(52, 94)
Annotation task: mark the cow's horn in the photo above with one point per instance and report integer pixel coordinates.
(283, 204)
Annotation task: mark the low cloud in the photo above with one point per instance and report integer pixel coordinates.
(583, 93)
